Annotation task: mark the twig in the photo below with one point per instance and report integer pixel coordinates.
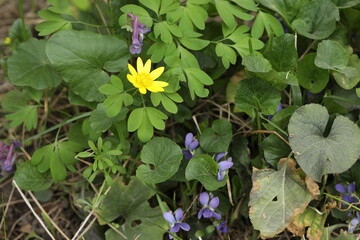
(33, 211)
(82, 225)
(49, 218)
(7, 207)
(87, 228)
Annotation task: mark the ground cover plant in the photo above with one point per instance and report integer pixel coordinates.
(190, 119)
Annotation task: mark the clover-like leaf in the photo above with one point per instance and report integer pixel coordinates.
(318, 149)
(29, 178)
(162, 158)
(276, 197)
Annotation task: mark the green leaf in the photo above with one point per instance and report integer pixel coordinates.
(163, 29)
(349, 76)
(141, 13)
(14, 99)
(316, 19)
(226, 53)
(272, 200)
(29, 178)
(282, 54)
(228, 11)
(242, 46)
(318, 149)
(288, 9)
(246, 4)
(255, 94)
(161, 162)
(204, 169)
(217, 138)
(131, 203)
(256, 63)
(135, 119)
(331, 55)
(313, 220)
(84, 66)
(274, 149)
(196, 79)
(17, 35)
(310, 76)
(194, 43)
(156, 117)
(345, 3)
(55, 22)
(159, 50)
(153, 5)
(29, 66)
(99, 120)
(197, 14)
(266, 21)
(167, 100)
(25, 114)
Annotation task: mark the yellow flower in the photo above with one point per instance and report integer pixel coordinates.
(7, 41)
(144, 79)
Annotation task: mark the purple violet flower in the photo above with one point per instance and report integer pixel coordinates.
(353, 223)
(223, 165)
(348, 197)
(222, 227)
(8, 156)
(209, 203)
(191, 143)
(139, 29)
(175, 222)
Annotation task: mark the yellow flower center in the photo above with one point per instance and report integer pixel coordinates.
(144, 79)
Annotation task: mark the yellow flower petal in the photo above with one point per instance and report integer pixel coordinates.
(157, 86)
(156, 73)
(132, 70)
(131, 78)
(142, 90)
(147, 67)
(139, 65)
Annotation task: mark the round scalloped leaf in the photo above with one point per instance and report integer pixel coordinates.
(83, 59)
(162, 158)
(316, 153)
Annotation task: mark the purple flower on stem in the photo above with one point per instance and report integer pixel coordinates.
(191, 143)
(139, 29)
(222, 227)
(348, 197)
(8, 156)
(223, 166)
(353, 223)
(175, 222)
(209, 203)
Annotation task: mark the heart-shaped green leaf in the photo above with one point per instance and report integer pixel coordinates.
(317, 154)
(217, 138)
(84, 66)
(204, 168)
(164, 156)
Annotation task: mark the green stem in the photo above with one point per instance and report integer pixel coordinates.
(340, 200)
(59, 125)
(21, 12)
(296, 95)
(91, 25)
(343, 99)
(274, 125)
(102, 17)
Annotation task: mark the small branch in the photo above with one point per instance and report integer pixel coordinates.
(33, 211)
(82, 225)
(87, 228)
(7, 207)
(45, 213)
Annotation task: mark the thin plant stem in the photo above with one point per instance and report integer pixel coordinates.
(102, 17)
(340, 200)
(21, 13)
(33, 211)
(6, 209)
(45, 213)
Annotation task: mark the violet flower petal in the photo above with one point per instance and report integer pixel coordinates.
(340, 188)
(184, 226)
(194, 144)
(188, 139)
(220, 176)
(187, 154)
(351, 187)
(204, 198)
(175, 228)
(216, 215)
(208, 213)
(225, 165)
(201, 212)
(169, 217)
(220, 156)
(179, 214)
(214, 203)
